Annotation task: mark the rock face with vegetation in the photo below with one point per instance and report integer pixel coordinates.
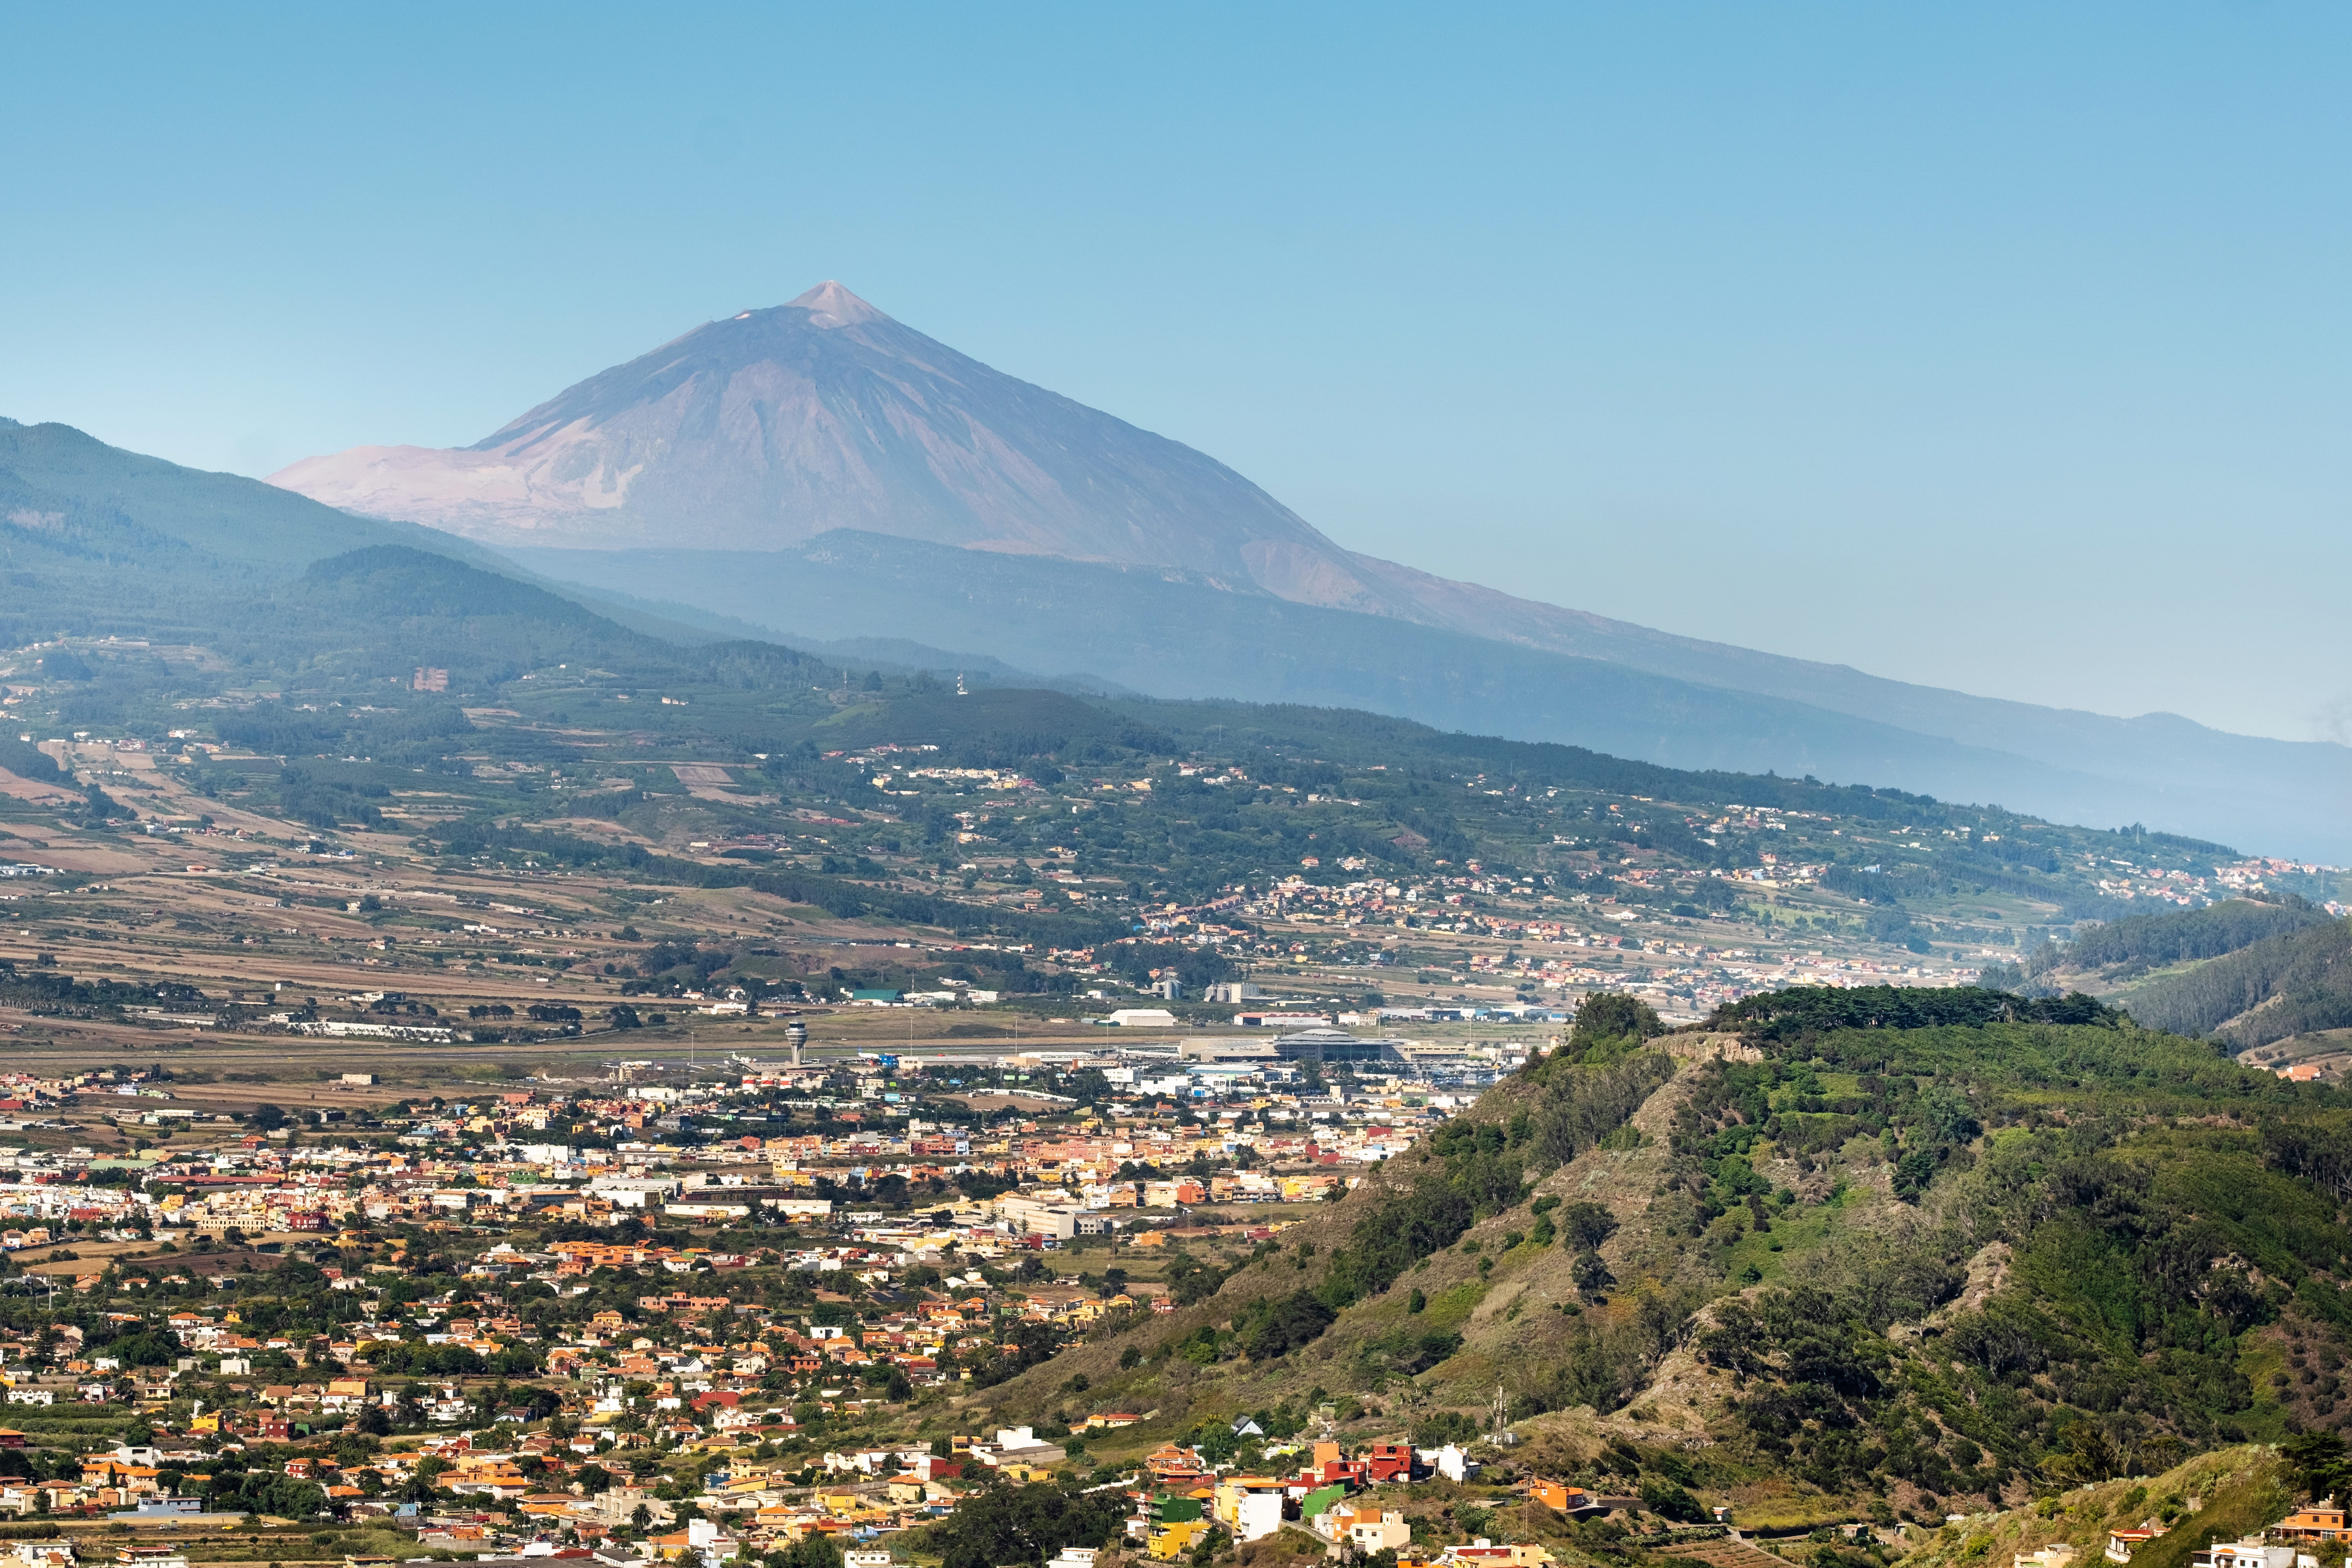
(1837, 1255)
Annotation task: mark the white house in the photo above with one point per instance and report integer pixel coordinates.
(1256, 1515)
(1454, 1464)
(2251, 1554)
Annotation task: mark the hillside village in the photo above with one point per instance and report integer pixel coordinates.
(770, 1310)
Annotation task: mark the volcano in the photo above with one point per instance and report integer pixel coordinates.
(816, 467)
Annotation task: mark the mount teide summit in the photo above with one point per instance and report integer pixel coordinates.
(762, 431)
(823, 470)
(768, 429)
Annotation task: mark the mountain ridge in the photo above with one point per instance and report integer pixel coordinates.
(1825, 1250)
(777, 429)
(1174, 634)
(773, 426)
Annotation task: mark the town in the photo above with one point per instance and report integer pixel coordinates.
(614, 1319)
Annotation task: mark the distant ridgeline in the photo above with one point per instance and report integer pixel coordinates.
(353, 651)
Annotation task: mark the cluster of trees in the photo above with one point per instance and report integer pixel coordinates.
(1020, 728)
(1802, 1011)
(999, 1522)
(27, 761)
(233, 1489)
(2316, 1148)
(1025, 1345)
(326, 803)
(1612, 1021)
(2186, 934)
(45, 989)
(278, 730)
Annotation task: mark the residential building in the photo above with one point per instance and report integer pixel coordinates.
(2251, 1554)
(1372, 1529)
(2323, 1520)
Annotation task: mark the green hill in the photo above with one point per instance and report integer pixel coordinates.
(1856, 1251)
(2221, 1496)
(97, 541)
(122, 501)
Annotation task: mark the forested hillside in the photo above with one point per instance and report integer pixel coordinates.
(2249, 970)
(2175, 936)
(2289, 984)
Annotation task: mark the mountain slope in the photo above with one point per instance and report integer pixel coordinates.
(57, 469)
(2294, 984)
(1839, 1250)
(96, 540)
(790, 431)
(2151, 746)
(767, 429)
(2253, 972)
(1174, 634)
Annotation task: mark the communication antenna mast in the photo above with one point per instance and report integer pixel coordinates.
(1497, 1430)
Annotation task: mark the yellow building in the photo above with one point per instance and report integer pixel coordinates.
(1171, 1540)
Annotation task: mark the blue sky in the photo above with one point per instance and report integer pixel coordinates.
(1994, 347)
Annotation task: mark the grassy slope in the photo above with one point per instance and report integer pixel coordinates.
(224, 515)
(2240, 1490)
(1460, 1300)
(1520, 1319)
(2111, 1257)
